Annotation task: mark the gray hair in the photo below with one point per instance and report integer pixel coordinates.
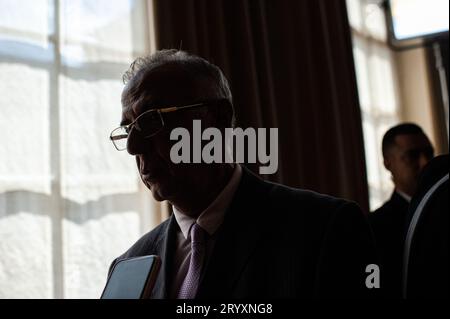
(193, 65)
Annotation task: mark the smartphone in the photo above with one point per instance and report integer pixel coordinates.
(132, 278)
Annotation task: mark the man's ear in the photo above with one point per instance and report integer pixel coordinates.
(210, 117)
(220, 115)
(225, 114)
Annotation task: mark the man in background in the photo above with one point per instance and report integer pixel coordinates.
(406, 150)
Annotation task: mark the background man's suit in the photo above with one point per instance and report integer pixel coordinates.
(276, 242)
(389, 226)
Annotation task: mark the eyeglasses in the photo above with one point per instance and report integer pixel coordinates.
(148, 124)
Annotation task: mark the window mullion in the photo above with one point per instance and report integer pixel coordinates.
(55, 157)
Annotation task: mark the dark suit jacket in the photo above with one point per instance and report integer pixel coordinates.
(276, 242)
(389, 226)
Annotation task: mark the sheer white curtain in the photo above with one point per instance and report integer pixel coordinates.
(69, 202)
(377, 88)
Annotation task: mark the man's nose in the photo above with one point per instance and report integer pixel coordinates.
(136, 143)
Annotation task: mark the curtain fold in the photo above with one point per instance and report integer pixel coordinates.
(290, 66)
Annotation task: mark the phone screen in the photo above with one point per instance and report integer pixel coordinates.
(130, 278)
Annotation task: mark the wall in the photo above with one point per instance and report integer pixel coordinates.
(417, 100)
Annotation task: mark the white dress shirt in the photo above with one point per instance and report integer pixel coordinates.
(210, 220)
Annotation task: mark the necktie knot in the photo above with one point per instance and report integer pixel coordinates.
(198, 234)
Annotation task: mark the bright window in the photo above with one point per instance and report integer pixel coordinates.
(377, 87)
(69, 202)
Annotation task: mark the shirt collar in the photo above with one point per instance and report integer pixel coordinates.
(212, 217)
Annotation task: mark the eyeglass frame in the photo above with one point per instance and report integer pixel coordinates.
(159, 111)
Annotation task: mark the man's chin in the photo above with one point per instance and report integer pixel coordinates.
(160, 193)
(157, 197)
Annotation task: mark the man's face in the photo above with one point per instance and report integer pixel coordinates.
(406, 159)
(164, 88)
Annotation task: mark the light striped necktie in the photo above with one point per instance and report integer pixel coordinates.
(189, 287)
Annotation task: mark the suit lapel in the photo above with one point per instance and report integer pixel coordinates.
(237, 238)
(165, 248)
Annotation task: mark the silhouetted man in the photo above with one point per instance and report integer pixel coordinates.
(231, 234)
(406, 150)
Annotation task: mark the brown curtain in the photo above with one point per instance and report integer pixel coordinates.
(290, 66)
